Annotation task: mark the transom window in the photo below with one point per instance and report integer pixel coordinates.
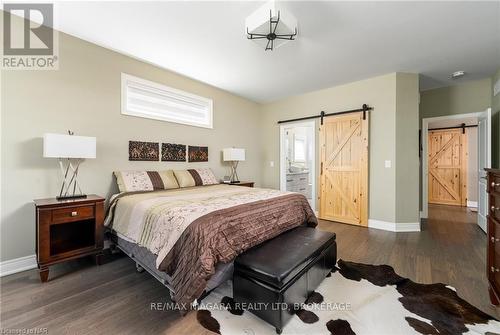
(147, 99)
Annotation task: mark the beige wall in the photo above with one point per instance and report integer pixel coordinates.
(84, 96)
(407, 164)
(495, 110)
(379, 92)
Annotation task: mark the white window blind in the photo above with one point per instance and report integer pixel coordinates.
(151, 100)
(300, 150)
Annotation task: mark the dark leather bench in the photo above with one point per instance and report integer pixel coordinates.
(282, 272)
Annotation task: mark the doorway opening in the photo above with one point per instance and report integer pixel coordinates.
(456, 150)
(452, 162)
(298, 159)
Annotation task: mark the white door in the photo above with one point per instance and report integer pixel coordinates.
(484, 161)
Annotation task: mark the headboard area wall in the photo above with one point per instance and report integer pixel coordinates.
(84, 96)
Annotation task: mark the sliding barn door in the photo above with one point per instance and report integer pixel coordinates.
(447, 167)
(344, 169)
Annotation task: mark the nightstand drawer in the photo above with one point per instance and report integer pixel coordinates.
(69, 214)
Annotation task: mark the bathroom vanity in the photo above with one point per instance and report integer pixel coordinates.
(298, 182)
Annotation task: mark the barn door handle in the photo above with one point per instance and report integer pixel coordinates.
(493, 184)
(493, 208)
(494, 240)
(494, 269)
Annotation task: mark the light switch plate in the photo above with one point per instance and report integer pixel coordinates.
(271, 163)
(388, 164)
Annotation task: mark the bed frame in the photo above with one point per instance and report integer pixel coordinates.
(145, 260)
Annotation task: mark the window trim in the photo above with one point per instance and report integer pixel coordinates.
(124, 111)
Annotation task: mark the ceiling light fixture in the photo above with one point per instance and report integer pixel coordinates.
(457, 74)
(271, 25)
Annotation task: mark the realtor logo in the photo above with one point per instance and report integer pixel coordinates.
(29, 40)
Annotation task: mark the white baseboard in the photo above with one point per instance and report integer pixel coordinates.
(472, 204)
(393, 226)
(17, 265)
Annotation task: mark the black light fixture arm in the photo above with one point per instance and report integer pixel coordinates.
(271, 36)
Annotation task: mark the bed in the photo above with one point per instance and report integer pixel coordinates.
(188, 237)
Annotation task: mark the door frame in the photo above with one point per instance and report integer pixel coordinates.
(424, 214)
(282, 167)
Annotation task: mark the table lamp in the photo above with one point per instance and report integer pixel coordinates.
(233, 155)
(71, 150)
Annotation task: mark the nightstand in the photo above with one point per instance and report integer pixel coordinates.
(243, 183)
(68, 229)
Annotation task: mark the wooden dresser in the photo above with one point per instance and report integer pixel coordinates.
(493, 264)
(68, 229)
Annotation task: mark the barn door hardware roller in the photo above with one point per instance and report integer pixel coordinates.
(365, 108)
(462, 126)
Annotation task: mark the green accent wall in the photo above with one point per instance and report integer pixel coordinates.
(495, 111)
(469, 97)
(395, 100)
(407, 160)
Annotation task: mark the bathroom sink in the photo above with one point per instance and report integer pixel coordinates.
(297, 170)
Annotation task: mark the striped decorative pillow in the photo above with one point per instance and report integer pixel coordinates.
(130, 181)
(195, 177)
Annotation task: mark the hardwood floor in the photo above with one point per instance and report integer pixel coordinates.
(81, 298)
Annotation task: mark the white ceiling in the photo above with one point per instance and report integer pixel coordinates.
(339, 42)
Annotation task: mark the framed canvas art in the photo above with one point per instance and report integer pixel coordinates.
(143, 151)
(197, 154)
(173, 152)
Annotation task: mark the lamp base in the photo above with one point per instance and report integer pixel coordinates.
(234, 175)
(69, 197)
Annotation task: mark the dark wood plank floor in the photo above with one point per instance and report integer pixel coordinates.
(82, 298)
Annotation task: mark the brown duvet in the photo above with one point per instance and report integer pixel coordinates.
(222, 235)
(190, 245)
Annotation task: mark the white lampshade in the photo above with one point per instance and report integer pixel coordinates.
(233, 154)
(68, 146)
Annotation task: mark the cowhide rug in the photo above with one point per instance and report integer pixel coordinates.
(358, 299)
